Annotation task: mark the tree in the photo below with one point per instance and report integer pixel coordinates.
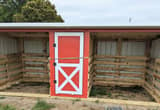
(10, 7)
(38, 11)
(28, 11)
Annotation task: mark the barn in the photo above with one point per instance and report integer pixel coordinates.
(72, 59)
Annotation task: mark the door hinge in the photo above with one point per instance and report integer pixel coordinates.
(55, 81)
(54, 63)
(54, 45)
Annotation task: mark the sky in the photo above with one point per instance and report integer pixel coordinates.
(109, 12)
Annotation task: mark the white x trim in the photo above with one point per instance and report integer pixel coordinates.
(68, 79)
(78, 69)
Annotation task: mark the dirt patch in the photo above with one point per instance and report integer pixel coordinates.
(25, 103)
(41, 88)
(126, 93)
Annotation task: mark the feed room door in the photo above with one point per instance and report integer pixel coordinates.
(69, 63)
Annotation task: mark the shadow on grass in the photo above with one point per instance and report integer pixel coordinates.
(42, 105)
(7, 107)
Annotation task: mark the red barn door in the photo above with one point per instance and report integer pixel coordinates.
(69, 63)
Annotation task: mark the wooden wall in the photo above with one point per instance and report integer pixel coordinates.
(119, 63)
(23, 59)
(152, 76)
(35, 60)
(10, 62)
(91, 65)
(127, 63)
(5, 48)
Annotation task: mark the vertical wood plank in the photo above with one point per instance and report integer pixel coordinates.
(148, 48)
(52, 68)
(7, 70)
(86, 64)
(119, 46)
(148, 54)
(20, 44)
(118, 53)
(44, 41)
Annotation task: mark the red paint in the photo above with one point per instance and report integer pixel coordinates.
(68, 47)
(74, 53)
(85, 63)
(52, 69)
(86, 44)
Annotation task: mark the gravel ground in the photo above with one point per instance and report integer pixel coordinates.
(25, 103)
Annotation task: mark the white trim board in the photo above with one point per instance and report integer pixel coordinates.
(79, 67)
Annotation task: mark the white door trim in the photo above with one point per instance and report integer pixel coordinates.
(79, 67)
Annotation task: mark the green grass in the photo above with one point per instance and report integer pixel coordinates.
(97, 101)
(75, 100)
(109, 94)
(98, 91)
(7, 107)
(42, 105)
(2, 97)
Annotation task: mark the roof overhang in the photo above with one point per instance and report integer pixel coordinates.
(73, 26)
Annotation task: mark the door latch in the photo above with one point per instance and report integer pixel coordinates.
(55, 81)
(54, 45)
(54, 63)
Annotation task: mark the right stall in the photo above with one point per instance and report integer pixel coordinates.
(125, 65)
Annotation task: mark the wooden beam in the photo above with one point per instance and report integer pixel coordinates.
(115, 83)
(35, 55)
(121, 63)
(118, 53)
(20, 48)
(27, 35)
(35, 60)
(148, 49)
(122, 57)
(151, 91)
(120, 69)
(20, 45)
(134, 80)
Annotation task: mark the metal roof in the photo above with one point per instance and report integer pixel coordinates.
(74, 26)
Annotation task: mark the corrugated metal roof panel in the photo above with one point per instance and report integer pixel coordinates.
(73, 26)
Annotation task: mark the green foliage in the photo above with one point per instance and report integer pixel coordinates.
(9, 8)
(38, 11)
(28, 11)
(98, 91)
(42, 105)
(6, 107)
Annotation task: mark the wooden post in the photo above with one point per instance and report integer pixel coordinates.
(118, 53)
(20, 48)
(7, 70)
(148, 48)
(148, 54)
(44, 41)
(119, 46)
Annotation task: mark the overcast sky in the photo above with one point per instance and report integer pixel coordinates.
(108, 12)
